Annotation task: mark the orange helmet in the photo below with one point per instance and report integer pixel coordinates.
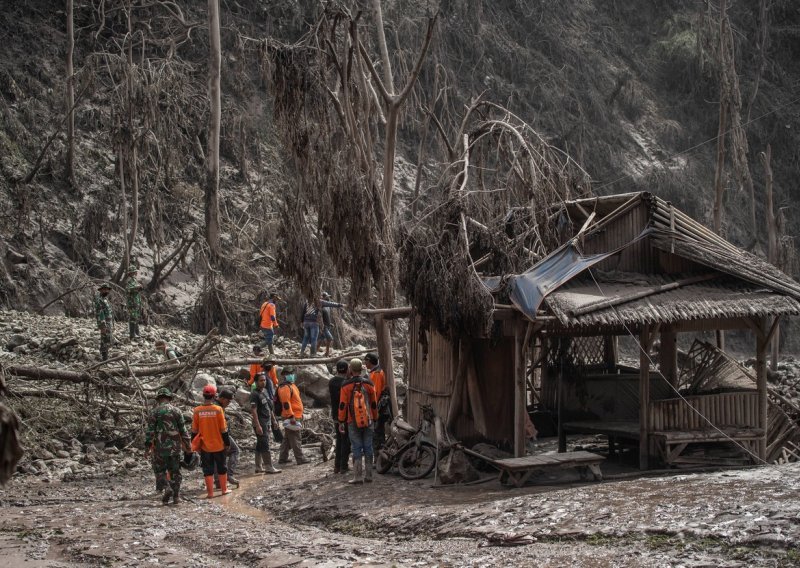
(209, 391)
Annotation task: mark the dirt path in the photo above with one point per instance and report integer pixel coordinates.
(307, 516)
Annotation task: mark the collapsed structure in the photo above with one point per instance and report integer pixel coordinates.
(631, 265)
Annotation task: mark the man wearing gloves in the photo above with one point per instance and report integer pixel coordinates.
(292, 413)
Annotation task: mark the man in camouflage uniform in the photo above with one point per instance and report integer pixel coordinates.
(134, 301)
(105, 319)
(166, 439)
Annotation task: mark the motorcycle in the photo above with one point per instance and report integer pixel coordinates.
(412, 450)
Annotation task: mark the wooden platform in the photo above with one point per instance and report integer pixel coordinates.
(670, 445)
(517, 471)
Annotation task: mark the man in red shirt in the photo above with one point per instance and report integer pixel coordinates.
(210, 437)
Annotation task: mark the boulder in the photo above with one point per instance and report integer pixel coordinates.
(456, 468)
(312, 380)
(201, 380)
(15, 341)
(242, 397)
(63, 454)
(44, 454)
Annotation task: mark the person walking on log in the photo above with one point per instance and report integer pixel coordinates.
(292, 411)
(342, 450)
(261, 410)
(166, 438)
(327, 321)
(133, 292)
(105, 319)
(358, 410)
(210, 437)
(268, 321)
(311, 319)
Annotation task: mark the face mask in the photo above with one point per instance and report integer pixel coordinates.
(289, 378)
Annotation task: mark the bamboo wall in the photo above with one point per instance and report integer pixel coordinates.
(431, 380)
(725, 410)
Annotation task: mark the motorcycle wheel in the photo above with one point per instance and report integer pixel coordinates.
(416, 463)
(382, 463)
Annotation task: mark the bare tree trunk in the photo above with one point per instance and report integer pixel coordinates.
(70, 95)
(772, 238)
(719, 188)
(212, 162)
(377, 14)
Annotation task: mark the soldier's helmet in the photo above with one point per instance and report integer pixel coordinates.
(132, 269)
(104, 286)
(163, 393)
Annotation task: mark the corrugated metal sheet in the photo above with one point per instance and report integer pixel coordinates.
(716, 299)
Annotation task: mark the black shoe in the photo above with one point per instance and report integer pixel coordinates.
(167, 495)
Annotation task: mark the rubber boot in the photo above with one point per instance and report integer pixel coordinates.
(132, 330)
(176, 492)
(104, 354)
(358, 471)
(259, 469)
(232, 480)
(271, 349)
(210, 486)
(268, 467)
(223, 483)
(167, 495)
(136, 329)
(368, 469)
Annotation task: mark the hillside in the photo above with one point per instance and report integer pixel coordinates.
(629, 91)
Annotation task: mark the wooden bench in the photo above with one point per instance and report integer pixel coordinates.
(517, 471)
(671, 444)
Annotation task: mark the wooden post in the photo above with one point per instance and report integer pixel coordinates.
(668, 355)
(610, 351)
(385, 356)
(762, 343)
(644, 397)
(519, 389)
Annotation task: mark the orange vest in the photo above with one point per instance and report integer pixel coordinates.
(291, 405)
(378, 379)
(269, 315)
(273, 375)
(208, 420)
(344, 400)
(255, 368)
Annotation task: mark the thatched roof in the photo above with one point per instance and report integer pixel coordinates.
(718, 298)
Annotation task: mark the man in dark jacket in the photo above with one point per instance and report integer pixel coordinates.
(311, 318)
(342, 438)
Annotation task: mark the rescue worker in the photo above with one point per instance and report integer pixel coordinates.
(378, 378)
(268, 368)
(169, 352)
(268, 321)
(311, 317)
(342, 449)
(292, 411)
(261, 406)
(105, 319)
(165, 440)
(210, 436)
(360, 437)
(223, 399)
(134, 302)
(327, 322)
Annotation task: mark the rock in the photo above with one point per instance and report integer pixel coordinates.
(242, 397)
(312, 381)
(200, 380)
(63, 454)
(66, 343)
(39, 465)
(44, 454)
(21, 350)
(15, 341)
(111, 450)
(456, 468)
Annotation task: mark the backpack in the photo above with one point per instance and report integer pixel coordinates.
(359, 406)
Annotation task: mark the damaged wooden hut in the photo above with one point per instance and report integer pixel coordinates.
(631, 265)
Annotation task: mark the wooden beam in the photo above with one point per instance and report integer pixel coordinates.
(668, 355)
(385, 355)
(519, 389)
(387, 313)
(644, 398)
(762, 344)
